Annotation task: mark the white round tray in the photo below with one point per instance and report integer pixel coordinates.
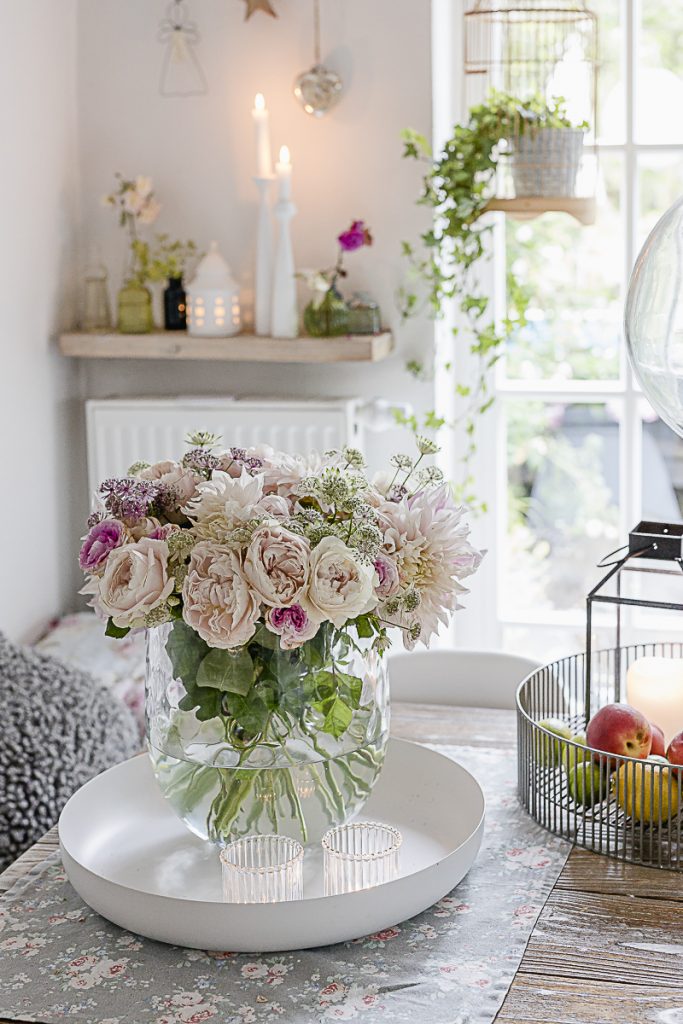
(133, 861)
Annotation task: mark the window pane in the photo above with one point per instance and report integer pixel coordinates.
(660, 182)
(659, 84)
(563, 495)
(611, 94)
(571, 276)
(661, 470)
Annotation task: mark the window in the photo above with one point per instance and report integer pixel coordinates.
(572, 456)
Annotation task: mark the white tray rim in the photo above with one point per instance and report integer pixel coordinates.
(374, 907)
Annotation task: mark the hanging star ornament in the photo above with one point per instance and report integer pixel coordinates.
(259, 5)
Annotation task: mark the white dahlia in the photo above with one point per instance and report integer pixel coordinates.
(426, 536)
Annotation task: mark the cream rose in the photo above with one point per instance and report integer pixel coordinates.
(135, 581)
(218, 601)
(172, 474)
(276, 565)
(341, 587)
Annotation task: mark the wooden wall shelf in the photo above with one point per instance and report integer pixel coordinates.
(582, 208)
(246, 348)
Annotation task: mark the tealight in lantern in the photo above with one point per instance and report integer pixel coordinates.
(213, 299)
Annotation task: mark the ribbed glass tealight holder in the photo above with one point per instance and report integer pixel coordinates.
(359, 856)
(262, 869)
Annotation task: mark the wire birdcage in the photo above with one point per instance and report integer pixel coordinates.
(544, 55)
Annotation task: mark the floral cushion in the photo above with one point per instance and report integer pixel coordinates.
(78, 640)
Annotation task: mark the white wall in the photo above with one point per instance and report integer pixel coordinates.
(200, 152)
(38, 416)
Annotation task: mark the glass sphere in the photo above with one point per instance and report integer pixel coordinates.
(654, 317)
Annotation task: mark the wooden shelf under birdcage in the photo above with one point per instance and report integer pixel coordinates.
(528, 207)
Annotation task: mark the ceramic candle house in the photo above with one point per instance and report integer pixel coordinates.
(213, 301)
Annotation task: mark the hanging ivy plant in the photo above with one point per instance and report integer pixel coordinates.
(457, 187)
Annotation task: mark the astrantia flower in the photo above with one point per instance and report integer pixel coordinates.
(173, 476)
(127, 497)
(355, 237)
(427, 538)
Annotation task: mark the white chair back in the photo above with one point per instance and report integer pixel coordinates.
(484, 679)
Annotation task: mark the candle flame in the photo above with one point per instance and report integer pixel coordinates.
(259, 101)
(284, 155)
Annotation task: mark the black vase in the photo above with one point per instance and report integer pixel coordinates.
(175, 309)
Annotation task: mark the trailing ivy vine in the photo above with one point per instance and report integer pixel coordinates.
(457, 187)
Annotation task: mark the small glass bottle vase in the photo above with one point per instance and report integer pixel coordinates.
(134, 309)
(175, 305)
(329, 318)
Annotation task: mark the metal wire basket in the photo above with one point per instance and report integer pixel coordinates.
(627, 808)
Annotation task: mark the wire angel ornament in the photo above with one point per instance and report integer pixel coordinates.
(181, 72)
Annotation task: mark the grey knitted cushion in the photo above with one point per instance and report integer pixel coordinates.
(58, 728)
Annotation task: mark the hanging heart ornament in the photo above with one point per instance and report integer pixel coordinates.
(318, 89)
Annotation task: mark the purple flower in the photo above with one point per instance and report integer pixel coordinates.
(102, 538)
(387, 577)
(127, 497)
(355, 237)
(293, 625)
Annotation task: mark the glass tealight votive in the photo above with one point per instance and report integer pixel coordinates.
(359, 856)
(262, 869)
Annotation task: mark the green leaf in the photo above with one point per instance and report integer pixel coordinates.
(116, 631)
(364, 626)
(264, 638)
(338, 718)
(185, 649)
(227, 671)
(205, 703)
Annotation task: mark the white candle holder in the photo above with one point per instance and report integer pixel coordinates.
(285, 316)
(263, 279)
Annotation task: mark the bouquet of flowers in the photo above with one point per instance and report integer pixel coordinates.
(267, 571)
(327, 313)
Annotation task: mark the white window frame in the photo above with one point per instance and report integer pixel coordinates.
(484, 622)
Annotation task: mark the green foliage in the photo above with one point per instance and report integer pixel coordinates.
(169, 258)
(118, 632)
(457, 187)
(261, 691)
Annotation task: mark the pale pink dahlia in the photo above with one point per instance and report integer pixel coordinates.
(426, 536)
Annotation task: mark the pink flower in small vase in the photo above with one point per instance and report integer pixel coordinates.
(355, 237)
(102, 538)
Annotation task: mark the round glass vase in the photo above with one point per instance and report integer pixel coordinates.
(134, 304)
(329, 318)
(263, 740)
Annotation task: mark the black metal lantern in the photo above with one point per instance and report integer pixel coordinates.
(653, 548)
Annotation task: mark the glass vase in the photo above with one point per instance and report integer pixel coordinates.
(134, 309)
(329, 318)
(269, 741)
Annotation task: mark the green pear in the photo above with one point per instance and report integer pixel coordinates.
(551, 750)
(586, 785)
(574, 755)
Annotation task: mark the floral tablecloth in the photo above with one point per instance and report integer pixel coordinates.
(452, 964)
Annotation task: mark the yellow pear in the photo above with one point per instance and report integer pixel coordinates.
(647, 792)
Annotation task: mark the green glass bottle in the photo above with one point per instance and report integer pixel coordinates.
(134, 309)
(329, 318)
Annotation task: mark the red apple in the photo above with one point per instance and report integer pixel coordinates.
(619, 729)
(675, 750)
(658, 744)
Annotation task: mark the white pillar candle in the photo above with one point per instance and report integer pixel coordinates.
(654, 686)
(264, 165)
(283, 170)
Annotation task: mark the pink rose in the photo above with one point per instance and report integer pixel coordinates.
(102, 538)
(275, 506)
(135, 581)
(387, 577)
(183, 481)
(341, 586)
(293, 625)
(218, 601)
(276, 565)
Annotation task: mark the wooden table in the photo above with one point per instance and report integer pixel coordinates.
(608, 945)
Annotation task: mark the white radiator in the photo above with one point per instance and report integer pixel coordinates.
(123, 431)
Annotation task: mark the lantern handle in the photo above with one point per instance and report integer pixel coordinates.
(604, 564)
